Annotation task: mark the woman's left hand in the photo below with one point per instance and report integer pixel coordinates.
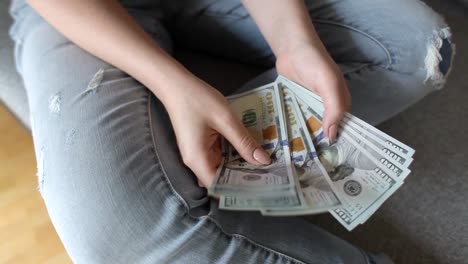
(313, 68)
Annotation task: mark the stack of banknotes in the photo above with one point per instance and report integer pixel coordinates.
(350, 178)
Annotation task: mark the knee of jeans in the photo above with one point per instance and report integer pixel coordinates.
(423, 47)
(429, 61)
(438, 58)
(429, 68)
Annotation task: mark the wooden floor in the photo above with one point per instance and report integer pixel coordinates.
(26, 233)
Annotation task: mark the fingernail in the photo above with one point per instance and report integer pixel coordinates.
(261, 156)
(332, 133)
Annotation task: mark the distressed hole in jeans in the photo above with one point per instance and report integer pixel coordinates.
(55, 103)
(40, 170)
(439, 57)
(70, 138)
(95, 81)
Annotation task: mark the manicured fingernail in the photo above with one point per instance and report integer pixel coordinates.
(332, 133)
(261, 156)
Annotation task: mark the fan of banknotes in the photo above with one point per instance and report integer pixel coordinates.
(350, 178)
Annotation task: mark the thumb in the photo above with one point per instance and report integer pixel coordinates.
(249, 149)
(331, 120)
(336, 102)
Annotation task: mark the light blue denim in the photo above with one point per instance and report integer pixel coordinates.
(108, 165)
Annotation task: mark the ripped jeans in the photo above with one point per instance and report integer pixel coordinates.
(109, 169)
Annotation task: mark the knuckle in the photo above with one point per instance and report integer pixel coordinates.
(340, 109)
(187, 159)
(334, 110)
(247, 142)
(227, 118)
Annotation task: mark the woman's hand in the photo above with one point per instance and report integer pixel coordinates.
(313, 68)
(301, 56)
(200, 115)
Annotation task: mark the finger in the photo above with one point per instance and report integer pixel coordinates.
(205, 171)
(204, 161)
(200, 184)
(249, 149)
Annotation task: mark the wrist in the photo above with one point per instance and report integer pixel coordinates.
(302, 52)
(304, 58)
(297, 44)
(168, 79)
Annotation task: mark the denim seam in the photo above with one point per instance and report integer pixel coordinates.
(150, 123)
(322, 21)
(184, 203)
(364, 66)
(362, 32)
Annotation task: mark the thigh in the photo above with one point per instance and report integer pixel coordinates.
(104, 186)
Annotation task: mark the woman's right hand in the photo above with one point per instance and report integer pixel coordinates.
(200, 115)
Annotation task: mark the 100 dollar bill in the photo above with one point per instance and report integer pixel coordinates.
(313, 179)
(315, 102)
(243, 185)
(364, 180)
(395, 162)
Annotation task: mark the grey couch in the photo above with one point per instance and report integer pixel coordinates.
(426, 220)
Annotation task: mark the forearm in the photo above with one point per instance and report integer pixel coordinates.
(104, 29)
(284, 24)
